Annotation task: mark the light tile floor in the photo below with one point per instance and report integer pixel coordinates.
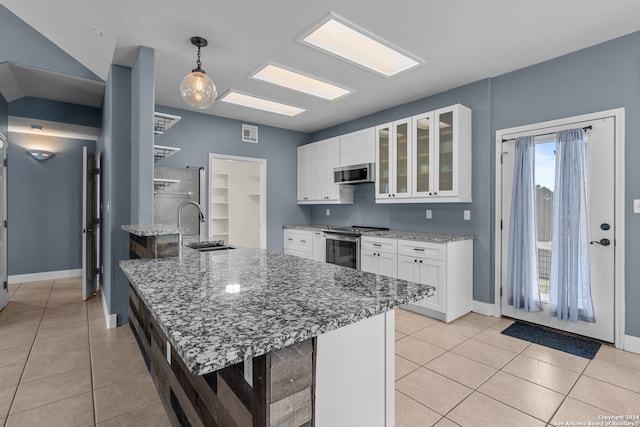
(466, 373)
(60, 366)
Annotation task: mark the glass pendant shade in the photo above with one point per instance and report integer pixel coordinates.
(198, 90)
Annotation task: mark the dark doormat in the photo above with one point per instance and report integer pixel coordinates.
(574, 345)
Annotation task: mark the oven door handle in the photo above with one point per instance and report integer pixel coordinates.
(332, 236)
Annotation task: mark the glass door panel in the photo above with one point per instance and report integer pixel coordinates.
(445, 148)
(423, 145)
(402, 182)
(383, 160)
(402, 138)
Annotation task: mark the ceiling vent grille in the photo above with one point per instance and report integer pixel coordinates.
(250, 134)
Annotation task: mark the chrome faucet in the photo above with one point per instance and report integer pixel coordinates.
(182, 205)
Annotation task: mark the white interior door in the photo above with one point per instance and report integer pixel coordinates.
(4, 288)
(601, 202)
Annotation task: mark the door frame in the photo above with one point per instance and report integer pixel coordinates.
(618, 115)
(263, 189)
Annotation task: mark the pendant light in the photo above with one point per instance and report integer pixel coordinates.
(196, 88)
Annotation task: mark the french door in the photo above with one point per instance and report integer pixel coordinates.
(601, 202)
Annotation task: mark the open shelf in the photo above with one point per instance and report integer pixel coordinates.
(163, 122)
(161, 184)
(161, 151)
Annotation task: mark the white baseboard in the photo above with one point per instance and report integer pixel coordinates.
(45, 275)
(111, 320)
(632, 344)
(484, 308)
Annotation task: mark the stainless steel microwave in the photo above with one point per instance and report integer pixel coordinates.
(355, 174)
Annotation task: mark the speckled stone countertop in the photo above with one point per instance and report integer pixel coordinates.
(145, 230)
(219, 308)
(308, 227)
(419, 236)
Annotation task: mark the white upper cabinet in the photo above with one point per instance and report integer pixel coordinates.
(307, 173)
(438, 159)
(315, 174)
(393, 159)
(358, 147)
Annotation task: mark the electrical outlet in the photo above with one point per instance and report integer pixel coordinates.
(328, 212)
(636, 205)
(467, 215)
(428, 213)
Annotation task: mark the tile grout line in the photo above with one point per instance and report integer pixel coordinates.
(93, 394)
(24, 368)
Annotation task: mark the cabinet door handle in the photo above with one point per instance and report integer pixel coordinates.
(418, 249)
(420, 261)
(303, 241)
(377, 244)
(389, 195)
(289, 239)
(415, 260)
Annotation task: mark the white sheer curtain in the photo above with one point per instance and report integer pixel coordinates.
(570, 281)
(522, 277)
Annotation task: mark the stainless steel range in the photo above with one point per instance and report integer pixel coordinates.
(343, 244)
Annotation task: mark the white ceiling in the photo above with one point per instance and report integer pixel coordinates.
(461, 41)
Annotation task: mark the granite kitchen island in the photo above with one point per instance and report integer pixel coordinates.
(254, 337)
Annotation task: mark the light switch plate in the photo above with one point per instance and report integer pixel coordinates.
(467, 215)
(636, 205)
(428, 213)
(328, 212)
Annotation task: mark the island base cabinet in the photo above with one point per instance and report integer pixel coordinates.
(280, 393)
(355, 374)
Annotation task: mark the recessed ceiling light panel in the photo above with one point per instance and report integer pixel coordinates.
(233, 97)
(294, 80)
(341, 38)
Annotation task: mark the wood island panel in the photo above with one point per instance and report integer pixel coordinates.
(281, 394)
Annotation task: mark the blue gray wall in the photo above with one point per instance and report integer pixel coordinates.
(200, 134)
(55, 111)
(44, 204)
(114, 149)
(142, 108)
(599, 78)
(21, 44)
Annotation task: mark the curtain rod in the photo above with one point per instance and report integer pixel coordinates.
(585, 128)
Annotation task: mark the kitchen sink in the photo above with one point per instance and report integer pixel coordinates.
(216, 245)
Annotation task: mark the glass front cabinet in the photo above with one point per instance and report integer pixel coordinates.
(425, 159)
(393, 158)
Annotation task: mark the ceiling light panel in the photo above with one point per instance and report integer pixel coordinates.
(340, 38)
(251, 101)
(294, 80)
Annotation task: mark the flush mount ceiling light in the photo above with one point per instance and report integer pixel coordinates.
(345, 40)
(251, 101)
(297, 81)
(40, 154)
(196, 88)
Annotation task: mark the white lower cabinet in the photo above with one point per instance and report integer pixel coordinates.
(446, 266)
(379, 256)
(298, 243)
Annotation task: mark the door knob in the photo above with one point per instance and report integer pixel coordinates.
(603, 242)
